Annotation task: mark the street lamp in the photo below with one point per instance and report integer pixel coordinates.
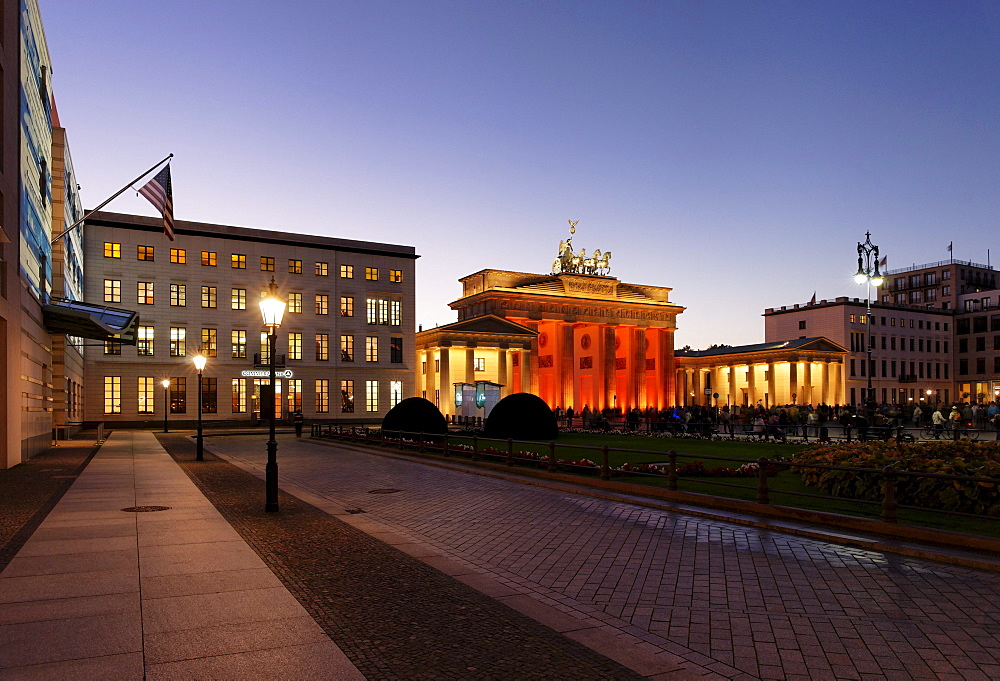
(868, 274)
(199, 364)
(166, 402)
(271, 310)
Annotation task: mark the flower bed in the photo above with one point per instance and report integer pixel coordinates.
(980, 459)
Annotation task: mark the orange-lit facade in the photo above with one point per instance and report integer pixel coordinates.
(591, 340)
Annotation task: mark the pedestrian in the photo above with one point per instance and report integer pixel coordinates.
(299, 420)
(938, 420)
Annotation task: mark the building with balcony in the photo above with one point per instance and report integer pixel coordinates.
(937, 284)
(345, 346)
(977, 346)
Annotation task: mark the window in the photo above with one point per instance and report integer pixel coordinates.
(178, 395)
(239, 261)
(322, 347)
(112, 394)
(396, 350)
(239, 340)
(238, 299)
(930, 295)
(210, 342)
(347, 397)
(178, 295)
(295, 267)
(266, 264)
(322, 269)
(347, 348)
(371, 311)
(144, 292)
(295, 303)
(112, 348)
(963, 367)
(395, 393)
(371, 396)
(946, 290)
(239, 391)
(853, 318)
(209, 258)
(145, 253)
(930, 279)
(294, 345)
(112, 250)
(371, 348)
(144, 344)
(178, 341)
(347, 271)
(112, 291)
(981, 344)
(346, 306)
(322, 303)
(209, 296)
(178, 256)
(396, 276)
(853, 368)
(371, 274)
(209, 395)
(980, 365)
(322, 396)
(265, 348)
(946, 274)
(395, 312)
(802, 324)
(979, 325)
(145, 393)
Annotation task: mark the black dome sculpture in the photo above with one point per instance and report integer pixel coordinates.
(522, 416)
(415, 415)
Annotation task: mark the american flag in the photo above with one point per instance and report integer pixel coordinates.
(158, 192)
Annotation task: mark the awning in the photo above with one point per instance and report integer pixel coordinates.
(87, 320)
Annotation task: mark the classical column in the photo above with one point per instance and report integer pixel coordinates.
(771, 383)
(447, 389)
(429, 379)
(607, 357)
(502, 371)
(837, 383)
(695, 387)
(732, 385)
(793, 379)
(751, 384)
(808, 380)
(665, 368)
(828, 394)
(525, 360)
(470, 365)
(639, 354)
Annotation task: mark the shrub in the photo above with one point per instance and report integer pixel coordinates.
(522, 416)
(415, 415)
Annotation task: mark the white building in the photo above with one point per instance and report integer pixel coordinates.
(346, 341)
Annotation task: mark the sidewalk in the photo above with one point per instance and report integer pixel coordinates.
(105, 593)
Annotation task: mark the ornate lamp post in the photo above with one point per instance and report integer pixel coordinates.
(166, 402)
(868, 274)
(271, 310)
(199, 364)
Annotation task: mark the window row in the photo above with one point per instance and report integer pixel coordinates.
(937, 370)
(963, 366)
(178, 345)
(858, 339)
(891, 321)
(149, 388)
(238, 261)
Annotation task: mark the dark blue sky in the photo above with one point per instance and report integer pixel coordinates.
(734, 151)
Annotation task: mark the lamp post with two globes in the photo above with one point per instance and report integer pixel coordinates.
(868, 274)
(272, 308)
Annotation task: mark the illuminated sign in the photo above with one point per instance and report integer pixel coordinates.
(264, 373)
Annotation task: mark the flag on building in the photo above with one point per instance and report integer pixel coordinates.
(949, 246)
(159, 192)
(812, 301)
(883, 262)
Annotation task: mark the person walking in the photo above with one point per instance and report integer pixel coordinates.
(299, 420)
(938, 420)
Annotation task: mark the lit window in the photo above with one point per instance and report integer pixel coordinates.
(371, 310)
(178, 256)
(112, 394)
(239, 299)
(266, 264)
(239, 261)
(295, 267)
(347, 271)
(112, 348)
(294, 345)
(178, 395)
(144, 344)
(347, 348)
(322, 396)
(295, 303)
(210, 342)
(395, 312)
(112, 250)
(480, 364)
(178, 341)
(178, 295)
(371, 396)
(209, 394)
(209, 296)
(322, 347)
(371, 273)
(322, 303)
(395, 393)
(322, 269)
(396, 276)
(144, 292)
(146, 394)
(112, 291)
(209, 258)
(239, 339)
(145, 252)
(239, 389)
(371, 348)
(347, 396)
(294, 395)
(346, 306)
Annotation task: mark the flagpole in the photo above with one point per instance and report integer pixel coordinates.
(115, 196)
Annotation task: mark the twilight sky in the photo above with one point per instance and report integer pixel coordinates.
(735, 151)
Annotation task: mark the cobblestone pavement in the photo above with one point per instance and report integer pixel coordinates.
(394, 616)
(735, 600)
(28, 491)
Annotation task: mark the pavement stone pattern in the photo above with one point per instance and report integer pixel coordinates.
(732, 601)
(394, 616)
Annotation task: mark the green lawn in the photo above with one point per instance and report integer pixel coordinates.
(732, 454)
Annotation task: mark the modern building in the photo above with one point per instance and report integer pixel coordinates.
(911, 358)
(937, 284)
(977, 347)
(345, 346)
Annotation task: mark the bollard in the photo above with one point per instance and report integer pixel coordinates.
(510, 452)
(475, 448)
(762, 497)
(605, 468)
(889, 514)
(672, 473)
(552, 456)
